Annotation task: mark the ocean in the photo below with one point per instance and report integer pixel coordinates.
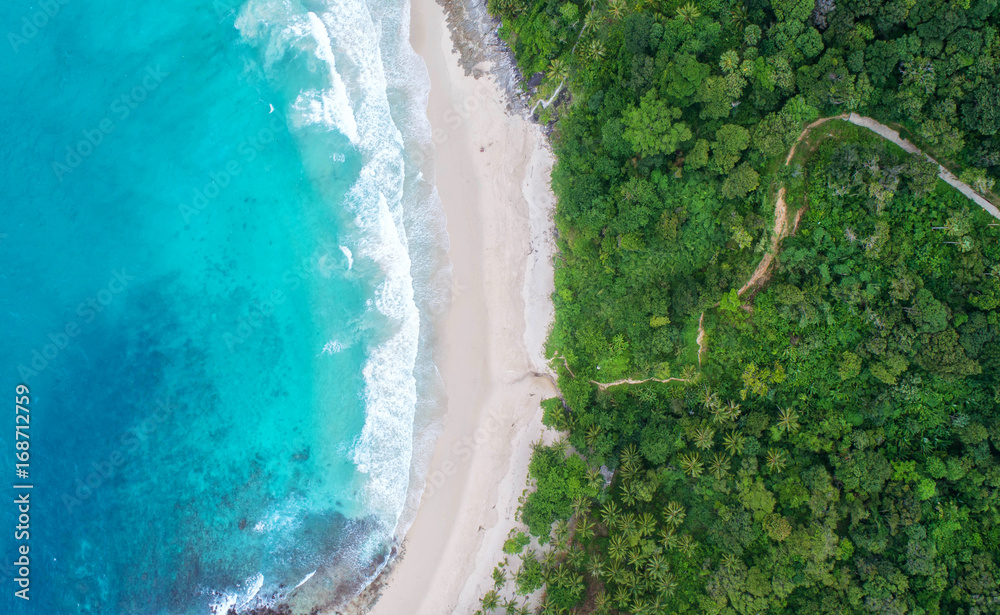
(221, 268)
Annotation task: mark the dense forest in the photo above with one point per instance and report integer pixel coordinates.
(826, 439)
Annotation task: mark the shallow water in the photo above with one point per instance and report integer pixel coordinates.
(219, 272)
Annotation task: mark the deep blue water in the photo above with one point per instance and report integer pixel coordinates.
(219, 263)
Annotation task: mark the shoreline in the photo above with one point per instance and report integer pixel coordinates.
(492, 170)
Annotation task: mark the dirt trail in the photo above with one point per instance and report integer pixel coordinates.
(781, 230)
(701, 337)
(761, 274)
(805, 131)
(946, 176)
(605, 385)
(763, 269)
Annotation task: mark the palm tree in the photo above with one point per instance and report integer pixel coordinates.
(646, 524)
(668, 539)
(630, 455)
(550, 606)
(617, 548)
(601, 600)
(558, 70)
(628, 470)
(550, 559)
(593, 433)
(666, 585)
(628, 525)
(691, 464)
(628, 493)
(617, 9)
(610, 513)
(615, 571)
(584, 528)
(733, 441)
(646, 394)
(561, 533)
(718, 414)
(657, 566)
(709, 399)
(686, 544)
(594, 478)
(636, 558)
(689, 12)
(622, 596)
(703, 437)
(730, 561)
(559, 447)
(576, 558)
(490, 601)
(499, 577)
(738, 16)
(732, 410)
(788, 420)
(722, 413)
(594, 50)
(673, 514)
(719, 465)
(775, 460)
(595, 566)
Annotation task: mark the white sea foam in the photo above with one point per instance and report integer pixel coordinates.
(326, 107)
(384, 447)
(275, 27)
(253, 590)
(237, 599)
(336, 107)
(223, 603)
(303, 581)
(407, 79)
(372, 40)
(282, 28)
(363, 51)
(332, 347)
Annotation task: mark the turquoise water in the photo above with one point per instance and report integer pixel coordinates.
(220, 268)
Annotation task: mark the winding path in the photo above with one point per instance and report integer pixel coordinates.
(947, 176)
(605, 385)
(701, 337)
(763, 270)
(781, 230)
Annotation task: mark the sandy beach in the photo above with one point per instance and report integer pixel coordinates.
(492, 172)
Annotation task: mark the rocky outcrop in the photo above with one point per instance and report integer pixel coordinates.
(474, 33)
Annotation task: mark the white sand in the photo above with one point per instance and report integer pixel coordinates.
(499, 206)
